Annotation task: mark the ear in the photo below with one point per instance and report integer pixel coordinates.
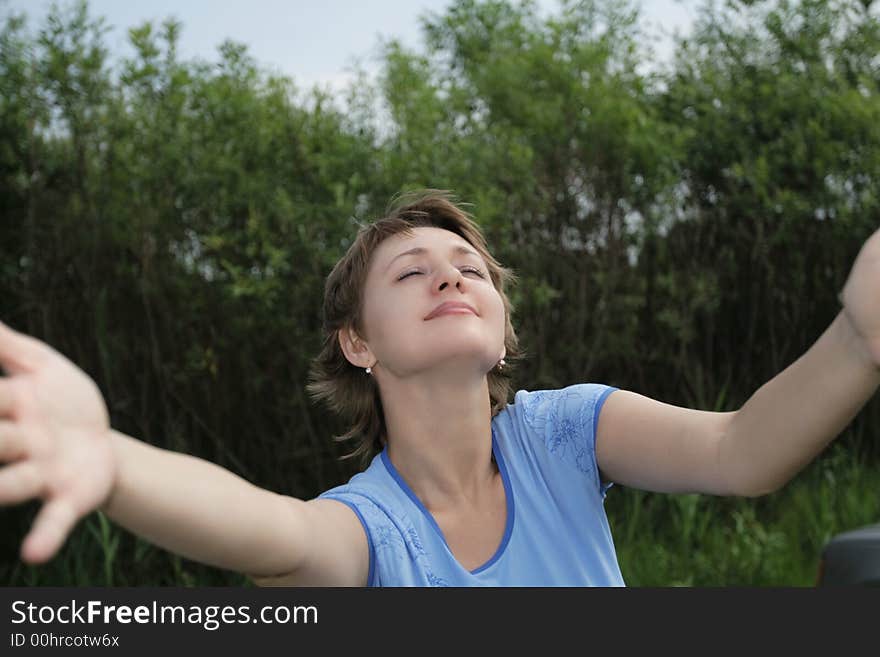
(356, 351)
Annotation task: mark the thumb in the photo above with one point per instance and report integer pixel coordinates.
(51, 527)
(19, 353)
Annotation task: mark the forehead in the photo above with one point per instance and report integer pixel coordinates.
(428, 237)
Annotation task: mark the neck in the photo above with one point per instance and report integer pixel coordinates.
(440, 440)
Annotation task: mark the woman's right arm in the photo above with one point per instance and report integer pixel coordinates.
(57, 445)
(201, 511)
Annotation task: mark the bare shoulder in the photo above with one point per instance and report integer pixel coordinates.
(335, 551)
(647, 444)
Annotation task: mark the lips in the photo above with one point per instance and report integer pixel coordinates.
(449, 305)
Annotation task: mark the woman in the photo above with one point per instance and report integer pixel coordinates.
(462, 487)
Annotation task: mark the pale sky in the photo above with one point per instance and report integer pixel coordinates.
(312, 42)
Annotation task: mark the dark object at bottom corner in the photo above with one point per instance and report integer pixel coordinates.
(852, 559)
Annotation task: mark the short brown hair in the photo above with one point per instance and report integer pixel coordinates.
(345, 388)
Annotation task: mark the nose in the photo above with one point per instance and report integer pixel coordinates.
(449, 275)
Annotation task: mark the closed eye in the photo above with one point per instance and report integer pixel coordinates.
(465, 268)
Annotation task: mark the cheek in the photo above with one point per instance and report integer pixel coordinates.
(497, 306)
(372, 312)
(385, 318)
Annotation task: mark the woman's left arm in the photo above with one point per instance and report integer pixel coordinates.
(792, 417)
(781, 428)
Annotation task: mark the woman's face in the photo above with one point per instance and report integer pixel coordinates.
(408, 279)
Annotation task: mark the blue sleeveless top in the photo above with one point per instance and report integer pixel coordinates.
(557, 533)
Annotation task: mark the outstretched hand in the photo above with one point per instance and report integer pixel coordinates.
(861, 296)
(54, 440)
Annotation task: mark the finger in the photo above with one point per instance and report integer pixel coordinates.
(51, 527)
(19, 482)
(13, 445)
(19, 352)
(7, 397)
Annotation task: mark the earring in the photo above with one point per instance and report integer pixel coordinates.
(369, 370)
(501, 364)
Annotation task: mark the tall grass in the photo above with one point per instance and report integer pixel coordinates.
(775, 540)
(100, 553)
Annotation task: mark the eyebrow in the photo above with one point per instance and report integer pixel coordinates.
(421, 250)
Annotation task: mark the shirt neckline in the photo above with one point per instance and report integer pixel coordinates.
(508, 494)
